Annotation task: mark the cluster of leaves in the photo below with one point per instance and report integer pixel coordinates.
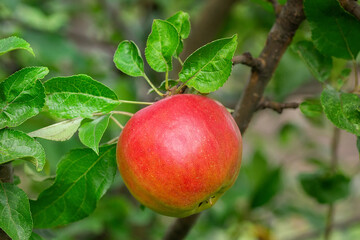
(335, 34)
(205, 70)
(85, 105)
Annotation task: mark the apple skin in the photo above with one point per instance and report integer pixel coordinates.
(179, 155)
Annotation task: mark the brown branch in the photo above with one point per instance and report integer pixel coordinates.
(334, 162)
(277, 107)
(6, 175)
(339, 226)
(352, 7)
(248, 60)
(180, 228)
(278, 40)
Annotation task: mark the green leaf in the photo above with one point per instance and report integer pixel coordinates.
(319, 65)
(90, 133)
(350, 107)
(268, 189)
(15, 144)
(61, 131)
(334, 31)
(358, 143)
(257, 169)
(181, 21)
(78, 96)
(325, 187)
(82, 178)
(161, 45)
(311, 108)
(127, 59)
(15, 217)
(336, 106)
(210, 66)
(35, 236)
(21, 96)
(12, 43)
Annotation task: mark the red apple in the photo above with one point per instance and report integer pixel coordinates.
(179, 155)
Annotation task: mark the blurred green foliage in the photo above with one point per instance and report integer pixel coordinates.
(73, 37)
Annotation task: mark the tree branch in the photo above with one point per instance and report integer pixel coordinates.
(352, 7)
(334, 163)
(180, 228)
(248, 60)
(277, 107)
(6, 175)
(278, 40)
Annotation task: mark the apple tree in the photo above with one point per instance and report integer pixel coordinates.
(64, 134)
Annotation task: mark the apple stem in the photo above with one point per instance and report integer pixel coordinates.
(181, 62)
(167, 80)
(135, 102)
(112, 140)
(117, 122)
(152, 86)
(123, 113)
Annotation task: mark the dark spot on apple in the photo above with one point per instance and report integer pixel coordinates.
(200, 204)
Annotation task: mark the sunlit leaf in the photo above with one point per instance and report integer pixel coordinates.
(12, 43)
(181, 21)
(60, 131)
(15, 144)
(90, 133)
(78, 96)
(21, 96)
(161, 45)
(210, 66)
(128, 59)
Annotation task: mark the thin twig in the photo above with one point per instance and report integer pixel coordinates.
(123, 113)
(352, 7)
(333, 165)
(277, 107)
(248, 60)
(117, 122)
(112, 140)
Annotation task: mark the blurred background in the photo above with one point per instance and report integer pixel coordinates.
(267, 201)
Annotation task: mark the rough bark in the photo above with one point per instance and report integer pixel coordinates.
(352, 7)
(278, 40)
